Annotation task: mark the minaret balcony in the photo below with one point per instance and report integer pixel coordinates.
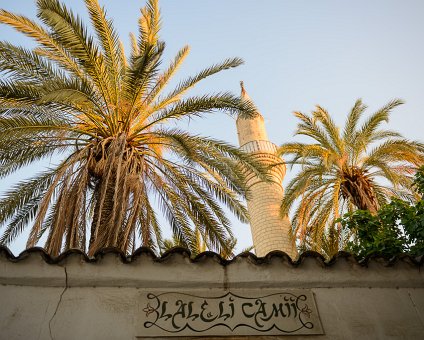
(256, 146)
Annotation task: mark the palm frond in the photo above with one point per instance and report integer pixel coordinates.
(189, 83)
(110, 43)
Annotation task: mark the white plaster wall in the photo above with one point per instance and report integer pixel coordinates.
(79, 300)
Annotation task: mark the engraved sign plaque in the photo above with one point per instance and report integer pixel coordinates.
(230, 313)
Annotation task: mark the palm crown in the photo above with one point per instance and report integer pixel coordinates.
(82, 96)
(359, 167)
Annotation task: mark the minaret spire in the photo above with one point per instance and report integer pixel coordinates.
(269, 230)
(244, 95)
(251, 129)
(243, 91)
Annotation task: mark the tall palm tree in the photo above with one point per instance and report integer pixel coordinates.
(81, 96)
(360, 167)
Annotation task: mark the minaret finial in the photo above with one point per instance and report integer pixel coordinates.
(243, 91)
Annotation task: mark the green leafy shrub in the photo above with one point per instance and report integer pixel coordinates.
(398, 227)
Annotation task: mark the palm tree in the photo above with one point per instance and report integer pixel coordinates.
(81, 96)
(360, 167)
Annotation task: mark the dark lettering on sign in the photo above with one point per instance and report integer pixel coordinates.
(285, 312)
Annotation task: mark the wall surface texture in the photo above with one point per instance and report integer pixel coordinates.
(75, 297)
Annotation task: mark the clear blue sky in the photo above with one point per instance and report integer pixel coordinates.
(297, 53)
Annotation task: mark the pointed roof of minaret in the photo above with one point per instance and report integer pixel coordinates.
(244, 96)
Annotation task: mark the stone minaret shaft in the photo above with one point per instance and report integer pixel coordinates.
(269, 231)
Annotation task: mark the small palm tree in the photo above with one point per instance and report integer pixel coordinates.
(109, 115)
(360, 167)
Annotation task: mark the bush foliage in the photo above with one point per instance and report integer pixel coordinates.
(397, 227)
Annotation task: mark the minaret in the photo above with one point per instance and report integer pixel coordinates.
(269, 231)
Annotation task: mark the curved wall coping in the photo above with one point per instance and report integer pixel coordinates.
(176, 268)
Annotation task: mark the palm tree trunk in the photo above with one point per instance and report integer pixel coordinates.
(359, 188)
